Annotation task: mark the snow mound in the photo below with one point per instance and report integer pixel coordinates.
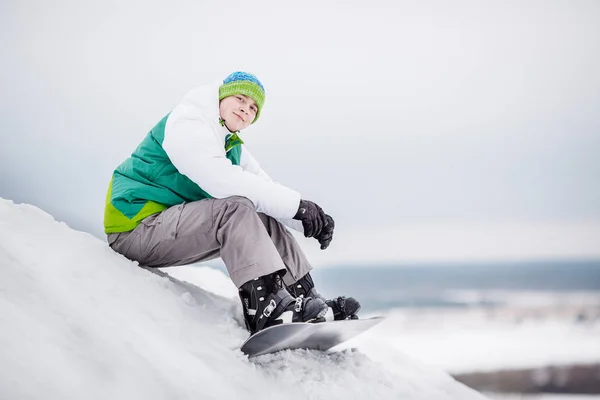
(80, 321)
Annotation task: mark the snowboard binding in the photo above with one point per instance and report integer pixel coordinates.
(267, 302)
(341, 306)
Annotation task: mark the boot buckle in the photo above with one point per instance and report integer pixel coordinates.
(298, 306)
(269, 309)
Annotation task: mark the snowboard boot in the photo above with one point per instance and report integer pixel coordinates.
(342, 307)
(267, 302)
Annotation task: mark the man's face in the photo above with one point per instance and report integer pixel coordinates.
(238, 111)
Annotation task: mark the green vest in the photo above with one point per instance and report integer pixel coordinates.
(147, 182)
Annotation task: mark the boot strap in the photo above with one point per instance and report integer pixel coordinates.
(299, 303)
(264, 317)
(269, 309)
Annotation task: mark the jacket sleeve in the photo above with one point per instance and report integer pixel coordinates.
(249, 163)
(197, 152)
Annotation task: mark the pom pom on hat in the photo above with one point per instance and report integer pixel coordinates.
(244, 83)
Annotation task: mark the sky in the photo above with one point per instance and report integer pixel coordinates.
(429, 130)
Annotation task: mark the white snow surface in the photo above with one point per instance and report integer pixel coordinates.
(480, 340)
(78, 321)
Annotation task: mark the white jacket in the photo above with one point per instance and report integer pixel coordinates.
(194, 141)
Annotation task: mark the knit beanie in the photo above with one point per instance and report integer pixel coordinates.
(246, 84)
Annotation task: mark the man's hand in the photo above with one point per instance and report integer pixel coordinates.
(313, 218)
(326, 235)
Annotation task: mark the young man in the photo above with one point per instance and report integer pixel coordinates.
(192, 191)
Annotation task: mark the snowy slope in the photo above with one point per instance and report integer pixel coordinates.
(80, 321)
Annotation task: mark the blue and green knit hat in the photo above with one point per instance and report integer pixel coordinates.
(246, 84)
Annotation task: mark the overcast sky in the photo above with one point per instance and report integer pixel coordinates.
(430, 130)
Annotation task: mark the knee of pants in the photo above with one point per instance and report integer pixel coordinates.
(238, 200)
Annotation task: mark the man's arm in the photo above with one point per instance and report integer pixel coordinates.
(250, 164)
(195, 150)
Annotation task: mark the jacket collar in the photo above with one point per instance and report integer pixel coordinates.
(206, 99)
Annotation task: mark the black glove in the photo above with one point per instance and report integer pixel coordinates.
(326, 235)
(312, 216)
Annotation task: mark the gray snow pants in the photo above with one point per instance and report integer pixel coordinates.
(251, 244)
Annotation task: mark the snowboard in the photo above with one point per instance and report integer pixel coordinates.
(304, 335)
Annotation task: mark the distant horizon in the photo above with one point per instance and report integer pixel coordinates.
(594, 262)
(386, 287)
(469, 263)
